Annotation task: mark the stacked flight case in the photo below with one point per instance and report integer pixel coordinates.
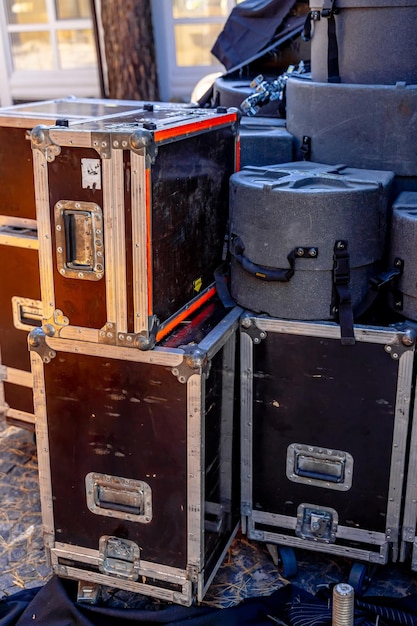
(325, 405)
(134, 364)
(324, 435)
(132, 221)
(137, 460)
(20, 297)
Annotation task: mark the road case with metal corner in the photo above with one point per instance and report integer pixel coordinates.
(138, 474)
(324, 430)
(20, 307)
(17, 198)
(133, 215)
(20, 312)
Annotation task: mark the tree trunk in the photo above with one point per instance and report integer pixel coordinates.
(129, 49)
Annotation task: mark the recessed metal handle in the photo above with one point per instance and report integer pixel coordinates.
(126, 500)
(27, 313)
(113, 496)
(18, 232)
(79, 240)
(321, 467)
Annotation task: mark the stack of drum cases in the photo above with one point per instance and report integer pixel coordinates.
(134, 361)
(323, 260)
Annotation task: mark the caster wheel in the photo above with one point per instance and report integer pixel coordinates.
(284, 559)
(288, 561)
(360, 577)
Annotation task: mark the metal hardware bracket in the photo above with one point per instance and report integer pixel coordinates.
(109, 335)
(101, 144)
(54, 324)
(41, 141)
(403, 342)
(37, 343)
(195, 361)
(250, 328)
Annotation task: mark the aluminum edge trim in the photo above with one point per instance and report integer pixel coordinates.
(323, 329)
(40, 168)
(159, 356)
(18, 377)
(221, 333)
(410, 506)
(20, 416)
(195, 472)
(92, 556)
(226, 445)
(19, 241)
(116, 281)
(184, 597)
(343, 532)
(20, 222)
(109, 239)
(246, 399)
(202, 588)
(226, 442)
(380, 557)
(227, 412)
(139, 238)
(42, 445)
(402, 410)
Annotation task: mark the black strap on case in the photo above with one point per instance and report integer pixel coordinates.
(222, 281)
(329, 11)
(383, 282)
(343, 300)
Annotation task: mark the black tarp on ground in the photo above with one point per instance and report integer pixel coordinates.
(250, 27)
(55, 605)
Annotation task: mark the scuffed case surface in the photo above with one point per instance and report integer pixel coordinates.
(314, 391)
(132, 426)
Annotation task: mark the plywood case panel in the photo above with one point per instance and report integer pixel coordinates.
(136, 449)
(20, 306)
(134, 215)
(326, 445)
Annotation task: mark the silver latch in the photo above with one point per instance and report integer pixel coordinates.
(119, 557)
(316, 523)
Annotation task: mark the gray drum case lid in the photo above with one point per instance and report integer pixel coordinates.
(279, 207)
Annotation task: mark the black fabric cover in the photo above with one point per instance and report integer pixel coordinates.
(55, 605)
(250, 26)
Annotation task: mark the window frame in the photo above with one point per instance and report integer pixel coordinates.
(44, 84)
(177, 82)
